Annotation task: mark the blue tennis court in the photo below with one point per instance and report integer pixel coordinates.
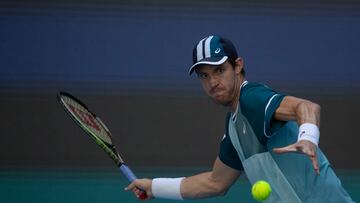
(107, 186)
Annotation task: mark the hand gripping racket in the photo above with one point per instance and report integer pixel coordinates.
(97, 130)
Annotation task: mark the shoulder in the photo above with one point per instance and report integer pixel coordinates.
(254, 94)
(258, 104)
(254, 88)
(228, 154)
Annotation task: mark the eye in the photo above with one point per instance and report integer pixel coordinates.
(220, 70)
(202, 75)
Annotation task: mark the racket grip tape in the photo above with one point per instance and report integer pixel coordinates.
(131, 177)
(127, 173)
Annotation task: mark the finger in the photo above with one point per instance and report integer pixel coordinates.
(131, 186)
(140, 194)
(289, 148)
(309, 149)
(137, 192)
(315, 164)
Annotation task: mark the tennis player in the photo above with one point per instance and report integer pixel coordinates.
(262, 127)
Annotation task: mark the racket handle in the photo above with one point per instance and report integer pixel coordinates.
(127, 172)
(131, 177)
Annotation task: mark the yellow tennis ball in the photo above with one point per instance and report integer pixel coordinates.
(261, 190)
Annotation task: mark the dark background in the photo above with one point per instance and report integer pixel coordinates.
(128, 61)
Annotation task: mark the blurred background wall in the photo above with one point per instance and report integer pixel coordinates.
(129, 60)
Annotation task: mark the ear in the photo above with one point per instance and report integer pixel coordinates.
(239, 65)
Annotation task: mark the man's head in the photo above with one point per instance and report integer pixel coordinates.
(219, 69)
(213, 50)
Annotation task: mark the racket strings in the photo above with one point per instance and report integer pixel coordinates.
(87, 119)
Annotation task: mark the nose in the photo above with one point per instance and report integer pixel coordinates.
(213, 81)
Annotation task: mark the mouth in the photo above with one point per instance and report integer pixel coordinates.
(217, 94)
(216, 90)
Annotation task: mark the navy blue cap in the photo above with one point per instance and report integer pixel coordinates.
(213, 50)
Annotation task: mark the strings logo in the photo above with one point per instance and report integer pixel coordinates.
(85, 117)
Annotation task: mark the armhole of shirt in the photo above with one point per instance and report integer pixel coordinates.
(273, 103)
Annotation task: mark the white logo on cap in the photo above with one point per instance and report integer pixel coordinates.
(217, 50)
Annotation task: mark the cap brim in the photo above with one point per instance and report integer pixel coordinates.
(209, 61)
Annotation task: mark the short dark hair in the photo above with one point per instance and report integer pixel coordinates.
(232, 62)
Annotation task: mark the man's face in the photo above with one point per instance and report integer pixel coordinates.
(218, 82)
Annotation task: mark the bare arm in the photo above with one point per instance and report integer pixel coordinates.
(208, 184)
(303, 111)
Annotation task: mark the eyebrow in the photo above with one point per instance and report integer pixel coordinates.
(217, 68)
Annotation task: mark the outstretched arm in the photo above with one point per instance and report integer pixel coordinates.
(203, 185)
(307, 115)
(213, 183)
(301, 110)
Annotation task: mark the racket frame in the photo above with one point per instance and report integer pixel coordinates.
(107, 147)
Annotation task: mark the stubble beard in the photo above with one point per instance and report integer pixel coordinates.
(228, 98)
(226, 102)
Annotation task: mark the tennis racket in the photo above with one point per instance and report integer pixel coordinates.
(97, 130)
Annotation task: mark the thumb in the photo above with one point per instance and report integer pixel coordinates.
(289, 148)
(131, 186)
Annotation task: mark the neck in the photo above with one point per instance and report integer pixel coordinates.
(236, 93)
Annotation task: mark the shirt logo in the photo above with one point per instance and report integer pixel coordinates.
(217, 50)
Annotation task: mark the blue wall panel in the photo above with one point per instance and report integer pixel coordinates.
(126, 49)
